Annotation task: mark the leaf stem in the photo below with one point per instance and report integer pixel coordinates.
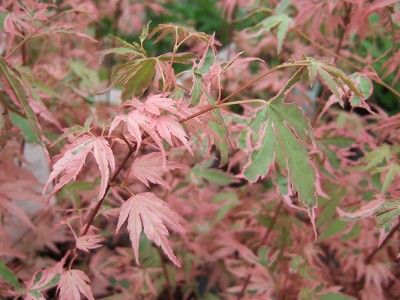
(263, 240)
(98, 205)
(207, 108)
(244, 287)
(242, 102)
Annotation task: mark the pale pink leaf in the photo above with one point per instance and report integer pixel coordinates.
(70, 164)
(89, 242)
(364, 211)
(133, 121)
(155, 104)
(73, 159)
(148, 168)
(41, 110)
(73, 283)
(105, 160)
(168, 126)
(149, 212)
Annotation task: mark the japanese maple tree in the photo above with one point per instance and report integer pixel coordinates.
(144, 159)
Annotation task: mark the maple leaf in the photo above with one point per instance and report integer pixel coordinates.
(134, 121)
(148, 168)
(335, 79)
(43, 280)
(168, 126)
(89, 242)
(134, 76)
(73, 159)
(280, 21)
(147, 211)
(105, 160)
(73, 283)
(16, 91)
(364, 211)
(155, 104)
(181, 33)
(281, 133)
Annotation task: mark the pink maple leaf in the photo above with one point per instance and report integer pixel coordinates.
(364, 211)
(73, 283)
(73, 159)
(89, 242)
(148, 168)
(168, 126)
(155, 104)
(44, 280)
(147, 211)
(133, 121)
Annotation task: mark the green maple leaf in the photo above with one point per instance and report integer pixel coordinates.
(282, 132)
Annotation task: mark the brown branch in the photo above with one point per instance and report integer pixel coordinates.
(207, 108)
(371, 256)
(346, 21)
(113, 178)
(265, 238)
(166, 275)
(274, 218)
(244, 287)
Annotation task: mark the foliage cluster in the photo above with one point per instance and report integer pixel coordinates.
(227, 150)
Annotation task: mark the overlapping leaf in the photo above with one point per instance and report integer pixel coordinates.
(8, 275)
(364, 211)
(134, 76)
(89, 242)
(42, 281)
(148, 169)
(73, 283)
(147, 212)
(336, 80)
(73, 159)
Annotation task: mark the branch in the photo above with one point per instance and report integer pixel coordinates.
(371, 256)
(263, 240)
(207, 108)
(243, 290)
(113, 178)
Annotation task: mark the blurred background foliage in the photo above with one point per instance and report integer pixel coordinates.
(207, 16)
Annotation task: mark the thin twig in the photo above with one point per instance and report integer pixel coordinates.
(207, 108)
(371, 256)
(113, 178)
(263, 240)
(244, 287)
(166, 275)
